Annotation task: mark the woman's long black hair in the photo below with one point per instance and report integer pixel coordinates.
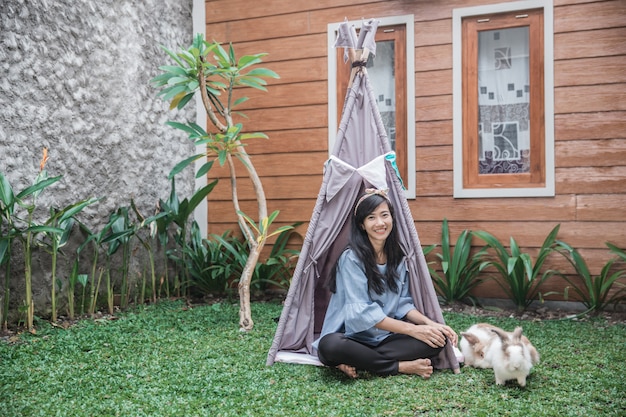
(360, 244)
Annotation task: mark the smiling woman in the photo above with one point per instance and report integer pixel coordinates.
(371, 323)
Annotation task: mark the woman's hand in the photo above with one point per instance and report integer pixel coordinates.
(434, 334)
(431, 331)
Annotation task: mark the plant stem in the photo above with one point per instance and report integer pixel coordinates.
(53, 291)
(5, 307)
(28, 275)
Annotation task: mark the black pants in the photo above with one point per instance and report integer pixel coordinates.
(336, 349)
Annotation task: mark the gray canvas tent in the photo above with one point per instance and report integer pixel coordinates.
(361, 158)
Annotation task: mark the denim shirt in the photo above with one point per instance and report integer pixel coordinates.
(355, 311)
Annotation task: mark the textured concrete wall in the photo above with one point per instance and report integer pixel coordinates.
(75, 78)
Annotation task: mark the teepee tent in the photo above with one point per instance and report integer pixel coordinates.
(361, 158)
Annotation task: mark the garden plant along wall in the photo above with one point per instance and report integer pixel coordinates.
(76, 81)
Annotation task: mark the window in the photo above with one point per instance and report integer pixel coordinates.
(392, 75)
(503, 119)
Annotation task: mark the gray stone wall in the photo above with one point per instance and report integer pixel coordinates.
(74, 77)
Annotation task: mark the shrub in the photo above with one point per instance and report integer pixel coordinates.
(459, 267)
(596, 292)
(521, 277)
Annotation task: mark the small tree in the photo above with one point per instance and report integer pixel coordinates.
(217, 78)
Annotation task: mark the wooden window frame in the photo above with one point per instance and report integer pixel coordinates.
(399, 29)
(467, 24)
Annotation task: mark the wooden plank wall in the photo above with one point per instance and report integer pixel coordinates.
(590, 121)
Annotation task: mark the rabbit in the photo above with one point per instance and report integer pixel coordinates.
(475, 342)
(511, 355)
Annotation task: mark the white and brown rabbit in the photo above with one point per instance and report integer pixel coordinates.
(511, 355)
(475, 342)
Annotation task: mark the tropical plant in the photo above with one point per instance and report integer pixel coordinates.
(194, 71)
(460, 267)
(522, 278)
(211, 262)
(27, 229)
(7, 234)
(116, 226)
(120, 233)
(74, 278)
(178, 212)
(148, 223)
(277, 269)
(62, 220)
(596, 292)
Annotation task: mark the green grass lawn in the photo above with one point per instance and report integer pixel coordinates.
(170, 360)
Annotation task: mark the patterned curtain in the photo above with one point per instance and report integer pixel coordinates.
(504, 101)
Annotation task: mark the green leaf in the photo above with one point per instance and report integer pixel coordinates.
(240, 100)
(173, 56)
(38, 186)
(200, 195)
(184, 164)
(169, 93)
(6, 193)
(173, 69)
(82, 279)
(262, 72)
(221, 56)
(182, 126)
(74, 209)
(44, 229)
(252, 84)
(204, 169)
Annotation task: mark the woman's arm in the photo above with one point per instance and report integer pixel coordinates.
(420, 327)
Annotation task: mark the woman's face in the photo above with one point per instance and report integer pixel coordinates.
(378, 224)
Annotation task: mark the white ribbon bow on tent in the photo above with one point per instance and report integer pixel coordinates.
(373, 172)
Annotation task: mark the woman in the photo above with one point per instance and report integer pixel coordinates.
(371, 323)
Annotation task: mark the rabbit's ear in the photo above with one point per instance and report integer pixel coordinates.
(470, 337)
(517, 334)
(504, 336)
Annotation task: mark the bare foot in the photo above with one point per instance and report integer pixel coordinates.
(348, 370)
(421, 367)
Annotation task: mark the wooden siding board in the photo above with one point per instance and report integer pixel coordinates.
(436, 32)
(300, 70)
(276, 188)
(591, 43)
(226, 10)
(288, 141)
(584, 99)
(433, 108)
(597, 125)
(590, 71)
(591, 180)
(603, 207)
(286, 95)
(433, 83)
(591, 153)
(598, 15)
(304, 117)
(430, 58)
(433, 184)
(286, 49)
(217, 32)
(433, 158)
(277, 26)
(435, 132)
(562, 207)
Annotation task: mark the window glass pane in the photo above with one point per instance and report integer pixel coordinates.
(503, 101)
(381, 72)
